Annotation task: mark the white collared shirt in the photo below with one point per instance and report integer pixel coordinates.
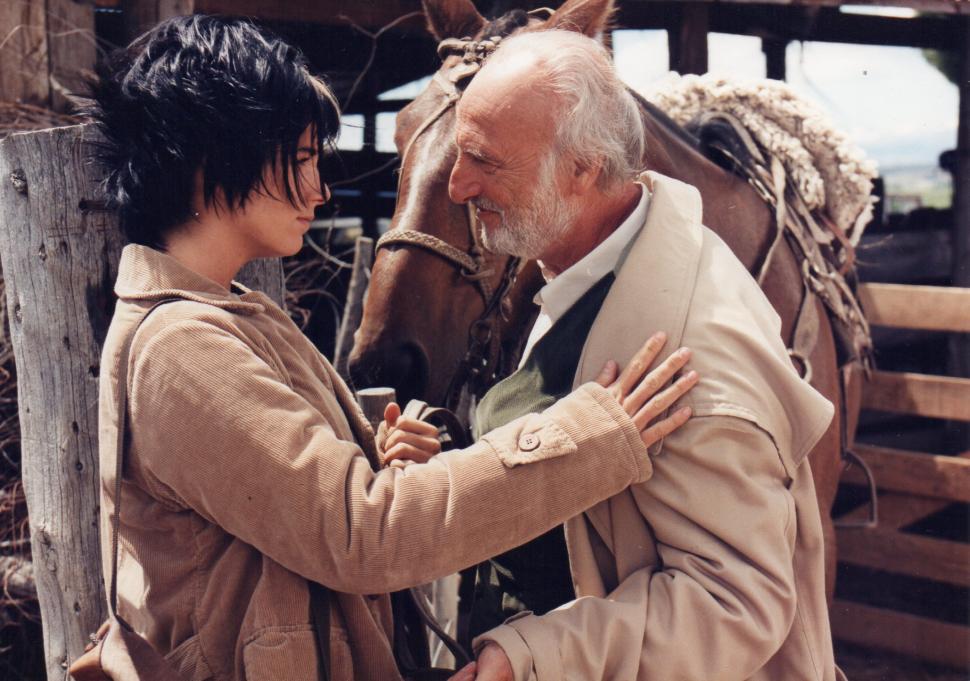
(562, 291)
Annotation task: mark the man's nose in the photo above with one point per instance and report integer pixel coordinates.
(463, 185)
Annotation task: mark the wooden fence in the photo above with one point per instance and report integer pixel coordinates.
(912, 485)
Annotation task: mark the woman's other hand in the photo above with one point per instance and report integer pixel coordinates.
(642, 394)
(406, 440)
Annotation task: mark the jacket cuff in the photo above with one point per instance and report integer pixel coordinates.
(533, 647)
(602, 419)
(507, 638)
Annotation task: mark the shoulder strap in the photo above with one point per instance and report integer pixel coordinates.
(121, 449)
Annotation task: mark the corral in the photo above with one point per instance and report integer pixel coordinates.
(903, 584)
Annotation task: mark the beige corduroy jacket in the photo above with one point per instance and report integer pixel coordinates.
(251, 471)
(712, 570)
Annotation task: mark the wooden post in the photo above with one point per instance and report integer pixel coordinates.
(59, 255)
(72, 49)
(687, 42)
(24, 66)
(141, 15)
(354, 306)
(960, 343)
(774, 50)
(47, 46)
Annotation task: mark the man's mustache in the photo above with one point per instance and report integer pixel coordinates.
(485, 204)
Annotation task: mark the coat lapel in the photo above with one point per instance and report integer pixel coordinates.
(652, 292)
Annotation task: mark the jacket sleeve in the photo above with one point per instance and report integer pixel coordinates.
(216, 430)
(720, 601)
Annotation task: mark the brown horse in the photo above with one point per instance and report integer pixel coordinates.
(425, 302)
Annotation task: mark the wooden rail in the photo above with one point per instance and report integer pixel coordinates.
(912, 485)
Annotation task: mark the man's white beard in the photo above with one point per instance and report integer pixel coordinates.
(528, 226)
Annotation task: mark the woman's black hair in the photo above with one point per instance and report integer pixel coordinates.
(209, 92)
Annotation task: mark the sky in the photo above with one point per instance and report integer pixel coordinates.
(890, 100)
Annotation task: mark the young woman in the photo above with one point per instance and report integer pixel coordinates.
(250, 472)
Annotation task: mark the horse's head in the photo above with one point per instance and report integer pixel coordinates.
(438, 304)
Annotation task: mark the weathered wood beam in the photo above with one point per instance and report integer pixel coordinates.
(898, 632)
(926, 475)
(59, 263)
(896, 509)
(354, 306)
(941, 397)
(371, 15)
(930, 308)
(905, 554)
(775, 54)
(931, 6)
(24, 65)
(959, 355)
(73, 50)
(687, 39)
(782, 21)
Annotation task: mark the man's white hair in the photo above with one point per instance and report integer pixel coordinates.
(600, 121)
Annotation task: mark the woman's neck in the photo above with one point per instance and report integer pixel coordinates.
(202, 246)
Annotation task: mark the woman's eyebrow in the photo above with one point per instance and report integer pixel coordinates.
(307, 150)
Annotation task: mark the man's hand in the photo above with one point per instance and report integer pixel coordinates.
(405, 440)
(492, 665)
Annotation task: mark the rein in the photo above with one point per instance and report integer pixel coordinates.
(475, 369)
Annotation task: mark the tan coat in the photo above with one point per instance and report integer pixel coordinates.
(712, 569)
(251, 471)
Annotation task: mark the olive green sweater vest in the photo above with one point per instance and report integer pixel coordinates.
(534, 576)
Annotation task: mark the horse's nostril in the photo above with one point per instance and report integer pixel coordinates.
(404, 368)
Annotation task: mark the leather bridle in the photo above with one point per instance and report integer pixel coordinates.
(478, 368)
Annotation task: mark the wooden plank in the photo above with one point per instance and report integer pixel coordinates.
(789, 21)
(896, 510)
(932, 6)
(941, 397)
(687, 40)
(335, 12)
(906, 554)
(73, 49)
(919, 637)
(958, 361)
(24, 64)
(927, 475)
(931, 308)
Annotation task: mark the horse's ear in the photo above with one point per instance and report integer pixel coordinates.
(452, 18)
(590, 17)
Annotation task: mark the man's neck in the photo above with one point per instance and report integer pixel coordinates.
(600, 218)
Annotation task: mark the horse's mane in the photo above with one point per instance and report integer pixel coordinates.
(505, 22)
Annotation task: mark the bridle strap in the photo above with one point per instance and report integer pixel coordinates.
(471, 264)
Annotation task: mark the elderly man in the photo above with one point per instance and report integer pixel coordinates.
(713, 568)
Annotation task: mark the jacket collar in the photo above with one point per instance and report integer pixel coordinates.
(660, 266)
(145, 274)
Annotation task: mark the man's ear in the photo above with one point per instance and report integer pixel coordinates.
(584, 176)
(452, 18)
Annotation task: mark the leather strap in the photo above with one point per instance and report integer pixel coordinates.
(121, 448)
(320, 616)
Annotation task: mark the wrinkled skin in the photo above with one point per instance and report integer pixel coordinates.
(414, 331)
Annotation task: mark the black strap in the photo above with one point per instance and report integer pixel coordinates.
(320, 616)
(121, 448)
